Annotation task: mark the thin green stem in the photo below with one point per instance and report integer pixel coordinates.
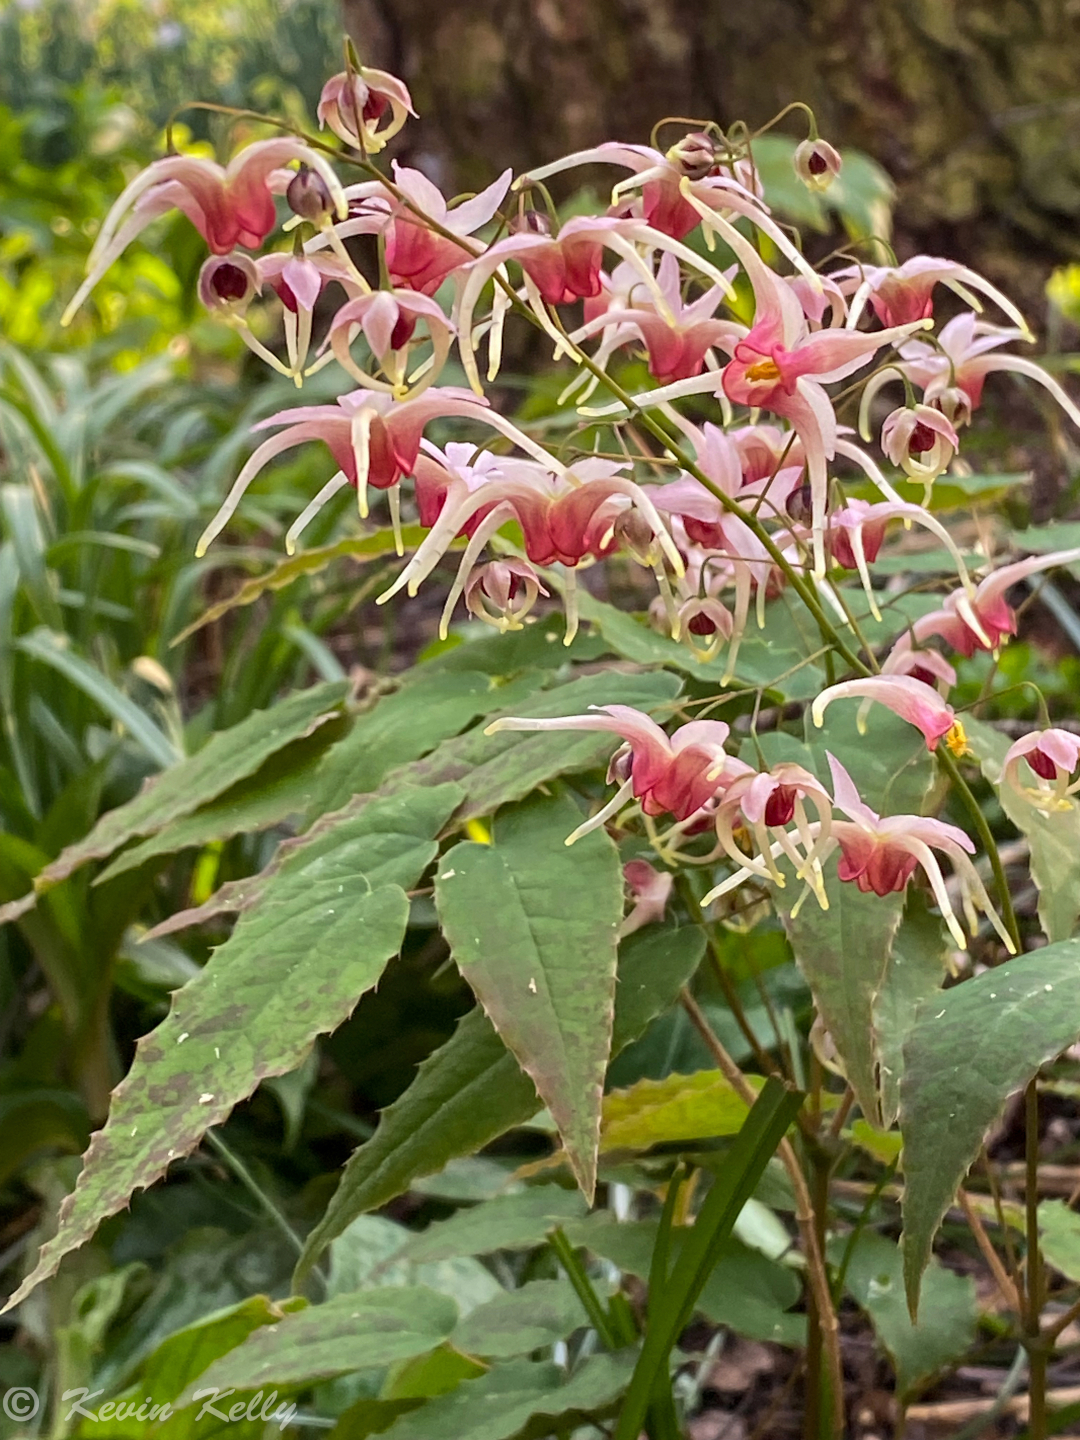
(591, 1302)
(1008, 914)
(244, 1175)
(1035, 1344)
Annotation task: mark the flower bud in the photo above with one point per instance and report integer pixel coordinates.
(955, 405)
(354, 103)
(228, 283)
(706, 626)
(309, 197)
(800, 504)
(694, 155)
(817, 164)
(633, 533)
(530, 222)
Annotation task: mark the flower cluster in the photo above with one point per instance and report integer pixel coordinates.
(724, 514)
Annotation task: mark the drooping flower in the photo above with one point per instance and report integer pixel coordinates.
(388, 320)
(764, 804)
(817, 164)
(857, 531)
(981, 621)
(373, 438)
(650, 890)
(921, 441)
(417, 257)
(564, 517)
(354, 102)
(502, 592)
(902, 293)
(674, 775)
(1053, 756)
(918, 704)
(299, 281)
(952, 372)
(228, 205)
(677, 342)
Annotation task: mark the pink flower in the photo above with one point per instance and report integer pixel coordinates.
(677, 342)
(951, 374)
(902, 293)
(650, 890)
(373, 438)
(857, 531)
(921, 441)
(766, 803)
(1053, 756)
(676, 775)
(981, 621)
(299, 281)
(388, 320)
(416, 257)
(918, 704)
(502, 593)
(564, 517)
(354, 102)
(229, 206)
(817, 164)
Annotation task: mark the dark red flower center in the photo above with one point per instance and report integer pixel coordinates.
(702, 624)
(817, 164)
(229, 282)
(780, 806)
(1041, 763)
(922, 439)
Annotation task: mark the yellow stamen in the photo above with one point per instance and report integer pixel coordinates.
(957, 741)
(478, 832)
(764, 370)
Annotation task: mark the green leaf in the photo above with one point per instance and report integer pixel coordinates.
(371, 1253)
(293, 968)
(178, 1361)
(520, 1321)
(509, 1222)
(39, 1119)
(228, 756)
(279, 789)
(773, 658)
(308, 562)
(745, 1290)
(399, 728)
(350, 1332)
(679, 1107)
(916, 971)
(532, 925)
(500, 1403)
(499, 769)
(53, 648)
(844, 951)
(945, 1329)
(1054, 837)
(1059, 1227)
(472, 1090)
(970, 1049)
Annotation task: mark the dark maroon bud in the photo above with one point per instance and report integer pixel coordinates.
(817, 164)
(701, 624)
(922, 439)
(402, 332)
(308, 196)
(1041, 763)
(229, 282)
(780, 806)
(800, 503)
(695, 155)
(530, 222)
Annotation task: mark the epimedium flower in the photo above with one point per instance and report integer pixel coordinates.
(817, 163)
(565, 514)
(857, 532)
(1053, 756)
(678, 341)
(763, 804)
(417, 257)
(502, 592)
(921, 441)
(673, 775)
(952, 372)
(902, 293)
(388, 320)
(374, 439)
(228, 205)
(983, 619)
(650, 889)
(355, 103)
(917, 703)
